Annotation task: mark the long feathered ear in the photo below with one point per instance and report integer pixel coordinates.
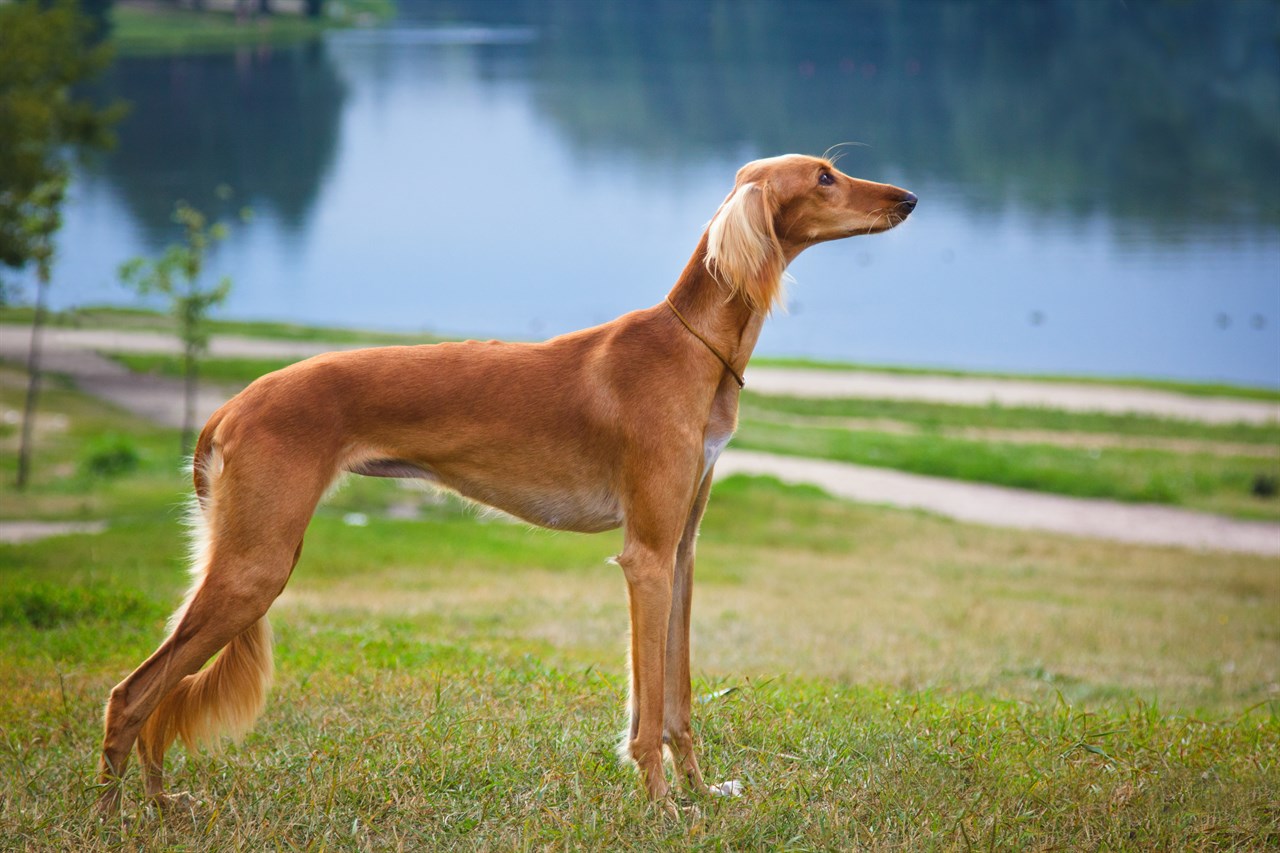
(743, 251)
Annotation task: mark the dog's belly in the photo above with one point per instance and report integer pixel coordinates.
(564, 511)
(556, 507)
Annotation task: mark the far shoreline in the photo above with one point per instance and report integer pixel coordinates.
(147, 28)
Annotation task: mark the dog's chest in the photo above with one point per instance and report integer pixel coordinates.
(720, 428)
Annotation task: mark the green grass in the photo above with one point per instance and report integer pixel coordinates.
(449, 683)
(139, 29)
(143, 30)
(894, 680)
(228, 371)
(399, 742)
(72, 434)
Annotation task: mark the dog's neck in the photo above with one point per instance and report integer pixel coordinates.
(727, 323)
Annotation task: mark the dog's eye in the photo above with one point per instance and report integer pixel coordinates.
(826, 179)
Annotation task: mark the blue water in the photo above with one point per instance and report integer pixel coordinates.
(1099, 183)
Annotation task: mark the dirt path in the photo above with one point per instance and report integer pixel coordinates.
(12, 532)
(999, 506)
(1085, 440)
(977, 391)
(72, 351)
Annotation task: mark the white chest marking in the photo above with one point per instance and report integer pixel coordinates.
(712, 449)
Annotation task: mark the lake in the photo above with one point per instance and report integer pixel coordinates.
(1099, 182)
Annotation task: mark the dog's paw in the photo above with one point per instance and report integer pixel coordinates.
(732, 788)
(665, 808)
(179, 801)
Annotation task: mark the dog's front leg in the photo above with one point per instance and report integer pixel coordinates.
(677, 713)
(648, 570)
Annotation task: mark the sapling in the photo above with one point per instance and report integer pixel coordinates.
(178, 275)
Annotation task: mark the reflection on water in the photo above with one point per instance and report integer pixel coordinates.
(263, 123)
(1099, 182)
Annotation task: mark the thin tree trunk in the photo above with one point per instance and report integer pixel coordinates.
(33, 380)
(190, 376)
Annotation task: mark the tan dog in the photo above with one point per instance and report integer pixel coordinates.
(617, 425)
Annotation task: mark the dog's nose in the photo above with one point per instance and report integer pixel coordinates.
(908, 203)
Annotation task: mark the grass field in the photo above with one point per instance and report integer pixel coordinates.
(877, 679)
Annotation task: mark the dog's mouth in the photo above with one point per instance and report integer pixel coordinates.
(884, 218)
(882, 223)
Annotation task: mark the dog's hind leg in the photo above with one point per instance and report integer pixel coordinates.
(226, 701)
(211, 622)
(256, 528)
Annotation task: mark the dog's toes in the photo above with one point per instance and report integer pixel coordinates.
(691, 813)
(732, 788)
(665, 807)
(177, 801)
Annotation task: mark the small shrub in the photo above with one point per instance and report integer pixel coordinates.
(45, 606)
(111, 455)
(1265, 486)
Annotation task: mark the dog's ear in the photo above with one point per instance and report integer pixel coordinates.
(743, 251)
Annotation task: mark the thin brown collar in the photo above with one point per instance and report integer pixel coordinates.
(737, 377)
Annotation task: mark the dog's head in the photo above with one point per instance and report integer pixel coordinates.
(782, 205)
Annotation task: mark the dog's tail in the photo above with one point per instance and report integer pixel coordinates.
(226, 697)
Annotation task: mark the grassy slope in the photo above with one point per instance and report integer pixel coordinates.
(899, 680)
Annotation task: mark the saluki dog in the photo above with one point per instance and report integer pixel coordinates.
(615, 426)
